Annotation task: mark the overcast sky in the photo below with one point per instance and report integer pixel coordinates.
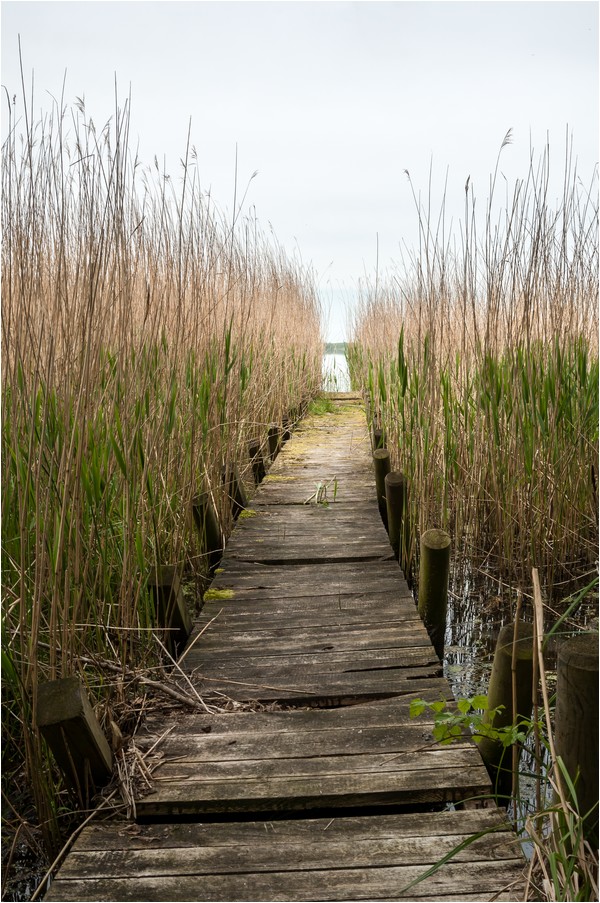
(329, 101)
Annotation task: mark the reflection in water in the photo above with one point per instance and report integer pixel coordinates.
(335, 373)
(475, 615)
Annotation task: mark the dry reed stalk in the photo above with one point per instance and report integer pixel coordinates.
(145, 338)
(483, 363)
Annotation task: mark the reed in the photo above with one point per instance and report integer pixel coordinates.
(480, 356)
(146, 337)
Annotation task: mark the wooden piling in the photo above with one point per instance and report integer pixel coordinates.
(576, 721)
(171, 610)
(396, 498)
(379, 438)
(381, 461)
(274, 440)
(238, 500)
(258, 465)
(434, 571)
(207, 524)
(500, 693)
(67, 722)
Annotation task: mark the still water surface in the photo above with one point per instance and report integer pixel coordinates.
(335, 373)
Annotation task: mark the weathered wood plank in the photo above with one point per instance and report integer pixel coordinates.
(400, 616)
(263, 858)
(229, 642)
(399, 604)
(333, 692)
(481, 884)
(297, 763)
(384, 713)
(310, 580)
(242, 888)
(405, 740)
(296, 521)
(286, 794)
(348, 662)
(120, 834)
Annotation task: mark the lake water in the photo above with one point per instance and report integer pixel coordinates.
(335, 373)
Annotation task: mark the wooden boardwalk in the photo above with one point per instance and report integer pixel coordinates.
(321, 787)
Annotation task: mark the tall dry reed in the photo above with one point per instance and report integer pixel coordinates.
(480, 355)
(146, 337)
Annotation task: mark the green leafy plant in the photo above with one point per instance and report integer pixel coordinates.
(471, 717)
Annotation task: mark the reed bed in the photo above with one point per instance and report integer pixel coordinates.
(478, 358)
(146, 337)
(479, 355)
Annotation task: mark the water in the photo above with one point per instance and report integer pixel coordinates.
(336, 377)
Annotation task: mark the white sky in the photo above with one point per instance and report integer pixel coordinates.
(329, 101)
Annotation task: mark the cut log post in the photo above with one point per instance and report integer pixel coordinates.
(576, 722)
(381, 461)
(497, 758)
(258, 465)
(67, 722)
(274, 433)
(396, 498)
(171, 611)
(434, 571)
(379, 438)
(208, 527)
(238, 500)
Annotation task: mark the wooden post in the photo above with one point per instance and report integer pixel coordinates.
(238, 500)
(171, 610)
(273, 440)
(396, 498)
(434, 571)
(258, 466)
(576, 722)
(206, 521)
(381, 461)
(379, 439)
(67, 722)
(500, 693)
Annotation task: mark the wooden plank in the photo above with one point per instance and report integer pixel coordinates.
(401, 764)
(344, 691)
(245, 602)
(307, 553)
(120, 834)
(386, 713)
(278, 888)
(247, 761)
(405, 739)
(494, 881)
(436, 785)
(364, 516)
(313, 859)
(321, 662)
(303, 638)
(364, 853)
(403, 617)
(275, 581)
